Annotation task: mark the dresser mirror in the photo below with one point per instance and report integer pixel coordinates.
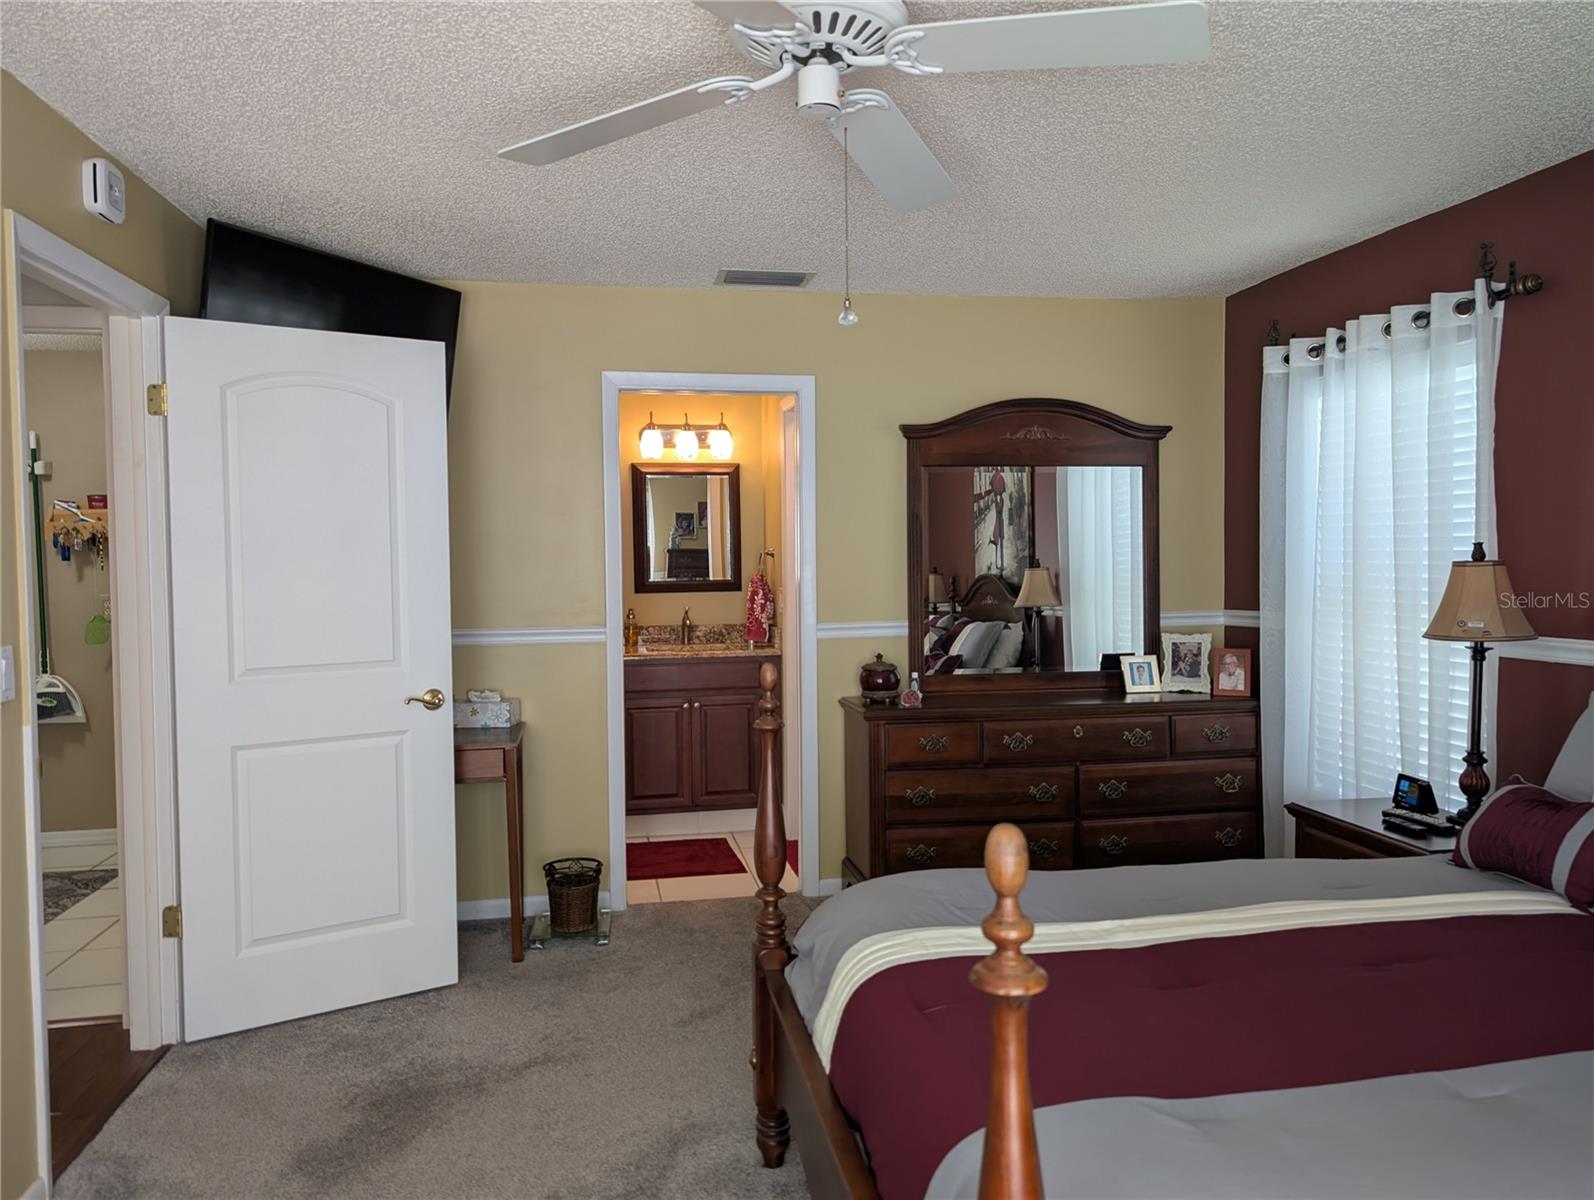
(686, 522)
(1032, 546)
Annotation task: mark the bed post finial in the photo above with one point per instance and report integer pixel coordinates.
(770, 949)
(1010, 1162)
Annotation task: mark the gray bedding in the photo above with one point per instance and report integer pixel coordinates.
(932, 899)
(1425, 1134)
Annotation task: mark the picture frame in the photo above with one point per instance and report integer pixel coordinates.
(1231, 678)
(1140, 673)
(1186, 659)
(686, 524)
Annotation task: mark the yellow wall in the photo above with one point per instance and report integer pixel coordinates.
(744, 416)
(529, 365)
(41, 156)
(66, 407)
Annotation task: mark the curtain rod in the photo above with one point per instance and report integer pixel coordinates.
(1514, 285)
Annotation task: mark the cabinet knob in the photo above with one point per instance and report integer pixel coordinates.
(1079, 731)
(686, 704)
(934, 743)
(1044, 848)
(696, 704)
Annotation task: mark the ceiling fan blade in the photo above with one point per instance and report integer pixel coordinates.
(890, 152)
(611, 127)
(1174, 31)
(760, 14)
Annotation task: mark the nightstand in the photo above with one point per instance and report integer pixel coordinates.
(1355, 829)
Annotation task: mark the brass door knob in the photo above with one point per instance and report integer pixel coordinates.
(431, 698)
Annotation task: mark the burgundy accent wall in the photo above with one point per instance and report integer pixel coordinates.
(1544, 409)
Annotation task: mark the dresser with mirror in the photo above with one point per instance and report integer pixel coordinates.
(1032, 554)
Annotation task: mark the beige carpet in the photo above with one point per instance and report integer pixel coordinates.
(585, 1071)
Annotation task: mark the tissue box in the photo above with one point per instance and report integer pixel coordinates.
(486, 714)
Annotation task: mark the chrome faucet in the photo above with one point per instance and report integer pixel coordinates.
(686, 627)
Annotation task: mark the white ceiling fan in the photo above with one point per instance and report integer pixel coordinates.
(821, 42)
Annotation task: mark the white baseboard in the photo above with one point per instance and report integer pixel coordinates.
(78, 837)
(829, 887)
(498, 910)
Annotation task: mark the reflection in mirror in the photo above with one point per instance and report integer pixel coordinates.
(686, 528)
(1079, 532)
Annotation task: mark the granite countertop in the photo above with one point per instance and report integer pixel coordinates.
(708, 641)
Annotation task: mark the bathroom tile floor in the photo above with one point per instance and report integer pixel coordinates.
(703, 887)
(84, 959)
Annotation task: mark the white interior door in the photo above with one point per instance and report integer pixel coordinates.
(310, 597)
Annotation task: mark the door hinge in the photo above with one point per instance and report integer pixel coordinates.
(172, 921)
(156, 396)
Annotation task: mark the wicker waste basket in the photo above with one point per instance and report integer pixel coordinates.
(572, 893)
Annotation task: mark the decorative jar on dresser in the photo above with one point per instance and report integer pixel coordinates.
(1032, 554)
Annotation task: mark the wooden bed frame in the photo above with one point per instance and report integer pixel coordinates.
(790, 1087)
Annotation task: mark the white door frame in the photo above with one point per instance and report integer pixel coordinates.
(801, 658)
(141, 651)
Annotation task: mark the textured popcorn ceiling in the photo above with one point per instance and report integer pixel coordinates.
(369, 129)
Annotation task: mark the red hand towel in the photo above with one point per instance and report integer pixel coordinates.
(760, 608)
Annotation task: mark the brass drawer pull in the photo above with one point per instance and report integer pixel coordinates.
(1228, 782)
(1079, 731)
(1138, 737)
(1043, 792)
(1044, 848)
(1229, 837)
(920, 854)
(1113, 789)
(1216, 733)
(934, 743)
(920, 796)
(1114, 844)
(1017, 742)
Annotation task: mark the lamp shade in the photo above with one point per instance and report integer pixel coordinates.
(1477, 607)
(936, 592)
(1038, 590)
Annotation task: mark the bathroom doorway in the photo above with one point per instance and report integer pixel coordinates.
(709, 517)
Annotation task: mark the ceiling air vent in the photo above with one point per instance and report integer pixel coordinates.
(770, 279)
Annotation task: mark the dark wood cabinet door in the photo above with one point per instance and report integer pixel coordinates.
(658, 753)
(724, 763)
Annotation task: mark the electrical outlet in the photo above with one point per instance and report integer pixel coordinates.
(105, 606)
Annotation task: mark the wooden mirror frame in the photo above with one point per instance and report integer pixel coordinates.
(1029, 433)
(640, 473)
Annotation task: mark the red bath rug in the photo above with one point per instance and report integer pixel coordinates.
(681, 857)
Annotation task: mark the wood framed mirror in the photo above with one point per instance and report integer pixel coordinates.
(1032, 546)
(686, 527)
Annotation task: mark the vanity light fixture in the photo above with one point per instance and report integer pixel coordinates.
(686, 439)
(652, 446)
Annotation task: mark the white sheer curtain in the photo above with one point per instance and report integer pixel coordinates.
(1377, 471)
(1100, 534)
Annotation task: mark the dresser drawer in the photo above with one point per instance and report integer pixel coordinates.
(941, 744)
(1081, 739)
(1230, 733)
(1051, 846)
(1167, 839)
(998, 794)
(1125, 789)
(478, 764)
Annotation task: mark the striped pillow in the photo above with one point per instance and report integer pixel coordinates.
(1533, 835)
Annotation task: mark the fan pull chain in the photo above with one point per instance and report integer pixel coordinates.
(847, 317)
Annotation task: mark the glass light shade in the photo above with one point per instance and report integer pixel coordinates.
(720, 443)
(1478, 606)
(847, 318)
(685, 444)
(1038, 590)
(652, 442)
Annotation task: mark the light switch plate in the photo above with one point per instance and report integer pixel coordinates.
(8, 674)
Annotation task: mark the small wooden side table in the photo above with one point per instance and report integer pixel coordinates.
(1355, 829)
(491, 756)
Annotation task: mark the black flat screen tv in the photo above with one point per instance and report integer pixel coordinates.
(263, 280)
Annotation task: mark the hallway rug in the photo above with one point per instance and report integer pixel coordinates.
(681, 857)
(63, 889)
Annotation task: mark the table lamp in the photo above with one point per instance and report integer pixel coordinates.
(935, 593)
(1038, 590)
(1476, 608)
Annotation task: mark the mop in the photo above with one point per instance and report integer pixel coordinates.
(55, 698)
